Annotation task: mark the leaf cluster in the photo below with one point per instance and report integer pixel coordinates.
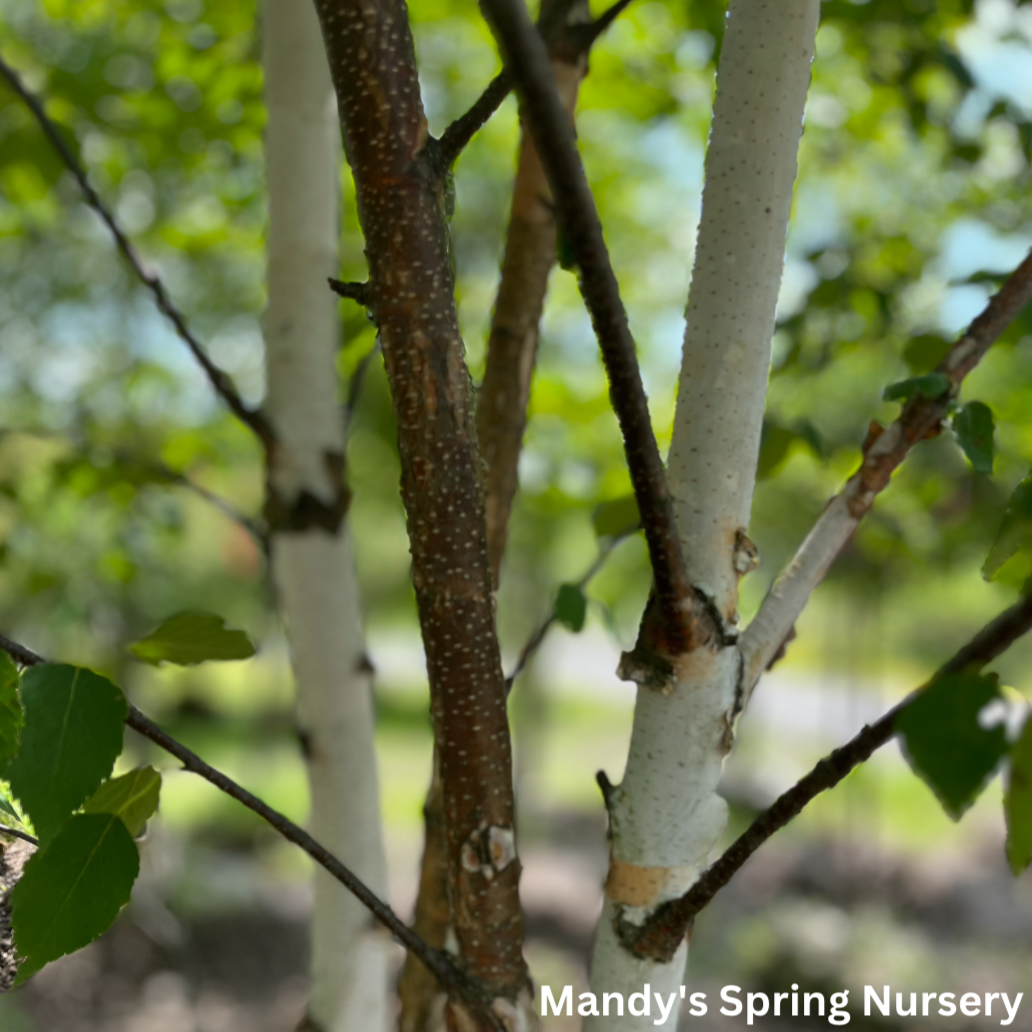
(954, 737)
(61, 733)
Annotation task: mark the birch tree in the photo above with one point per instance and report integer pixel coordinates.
(695, 669)
(666, 816)
(312, 566)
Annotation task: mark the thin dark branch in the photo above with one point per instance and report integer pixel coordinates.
(1001, 310)
(6, 829)
(357, 292)
(442, 966)
(562, 39)
(535, 640)
(454, 139)
(19, 653)
(660, 936)
(606, 18)
(219, 379)
(161, 472)
(437, 962)
(230, 511)
(687, 619)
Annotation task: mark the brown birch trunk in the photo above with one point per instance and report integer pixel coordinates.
(530, 253)
(400, 193)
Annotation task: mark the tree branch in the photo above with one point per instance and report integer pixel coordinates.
(401, 195)
(660, 936)
(454, 139)
(230, 511)
(438, 962)
(883, 451)
(604, 20)
(164, 473)
(6, 829)
(501, 416)
(530, 253)
(535, 640)
(357, 292)
(567, 41)
(688, 622)
(218, 378)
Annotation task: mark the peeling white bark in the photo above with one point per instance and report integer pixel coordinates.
(666, 816)
(313, 570)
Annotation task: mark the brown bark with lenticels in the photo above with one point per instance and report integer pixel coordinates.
(501, 417)
(400, 194)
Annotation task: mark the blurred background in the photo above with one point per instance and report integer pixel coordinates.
(913, 200)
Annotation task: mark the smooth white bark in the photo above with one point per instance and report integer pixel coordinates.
(764, 636)
(313, 569)
(666, 816)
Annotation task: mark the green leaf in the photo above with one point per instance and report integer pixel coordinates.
(1017, 803)
(7, 805)
(944, 743)
(931, 385)
(571, 607)
(133, 797)
(72, 889)
(1015, 530)
(617, 518)
(190, 638)
(72, 737)
(12, 719)
(974, 427)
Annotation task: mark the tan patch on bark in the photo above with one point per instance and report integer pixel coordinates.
(635, 886)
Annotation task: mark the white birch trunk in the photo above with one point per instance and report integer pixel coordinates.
(666, 816)
(312, 569)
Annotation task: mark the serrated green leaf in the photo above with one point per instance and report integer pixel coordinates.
(72, 889)
(1017, 803)
(931, 385)
(1015, 530)
(74, 723)
(944, 743)
(190, 638)
(975, 429)
(12, 719)
(617, 517)
(7, 805)
(571, 607)
(133, 797)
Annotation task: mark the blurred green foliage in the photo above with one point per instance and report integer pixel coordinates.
(913, 200)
